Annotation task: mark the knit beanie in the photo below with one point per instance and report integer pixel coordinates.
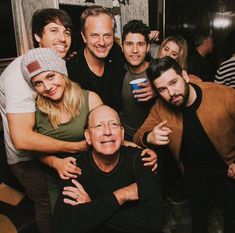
(38, 60)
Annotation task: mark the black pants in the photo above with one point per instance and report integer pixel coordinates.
(31, 177)
(204, 186)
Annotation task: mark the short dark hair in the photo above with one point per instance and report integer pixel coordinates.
(43, 17)
(158, 66)
(136, 26)
(199, 38)
(95, 11)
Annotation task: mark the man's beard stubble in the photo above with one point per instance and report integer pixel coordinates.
(185, 96)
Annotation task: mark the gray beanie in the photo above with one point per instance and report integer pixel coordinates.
(38, 60)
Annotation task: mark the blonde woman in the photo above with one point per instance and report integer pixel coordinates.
(175, 47)
(62, 107)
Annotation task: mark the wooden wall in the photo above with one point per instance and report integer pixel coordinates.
(137, 9)
(105, 3)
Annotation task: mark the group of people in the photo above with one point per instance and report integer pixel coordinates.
(73, 126)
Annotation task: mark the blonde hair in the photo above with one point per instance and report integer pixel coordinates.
(72, 101)
(183, 45)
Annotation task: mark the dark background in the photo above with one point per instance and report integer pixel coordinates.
(188, 17)
(7, 38)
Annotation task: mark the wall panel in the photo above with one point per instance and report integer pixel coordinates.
(137, 9)
(105, 3)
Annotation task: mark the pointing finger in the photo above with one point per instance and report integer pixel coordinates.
(168, 130)
(161, 125)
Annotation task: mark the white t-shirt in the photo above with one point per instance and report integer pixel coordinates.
(15, 97)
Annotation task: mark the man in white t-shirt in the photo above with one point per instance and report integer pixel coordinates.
(50, 28)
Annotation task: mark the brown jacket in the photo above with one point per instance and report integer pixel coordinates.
(216, 114)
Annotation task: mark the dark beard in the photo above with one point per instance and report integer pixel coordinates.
(174, 107)
(185, 96)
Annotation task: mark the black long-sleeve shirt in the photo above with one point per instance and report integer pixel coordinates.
(109, 85)
(103, 213)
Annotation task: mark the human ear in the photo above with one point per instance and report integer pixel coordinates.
(122, 47)
(148, 46)
(37, 37)
(123, 132)
(83, 37)
(185, 76)
(87, 136)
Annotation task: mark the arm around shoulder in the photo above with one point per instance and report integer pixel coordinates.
(23, 136)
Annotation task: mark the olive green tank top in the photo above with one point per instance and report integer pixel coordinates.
(70, 131)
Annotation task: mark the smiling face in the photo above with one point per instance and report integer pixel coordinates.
(49, 84)
(104, 132)
(98, 35)
(170, 49)
(173, 88)
(135, 49)
(57, 37)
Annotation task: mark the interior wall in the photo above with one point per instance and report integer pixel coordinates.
(23, 11)
(7, 39)
(105, 3)
(136, 9)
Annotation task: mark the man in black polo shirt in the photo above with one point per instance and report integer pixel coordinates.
(98, 65)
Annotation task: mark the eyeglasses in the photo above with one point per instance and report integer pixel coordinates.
(101, 126)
